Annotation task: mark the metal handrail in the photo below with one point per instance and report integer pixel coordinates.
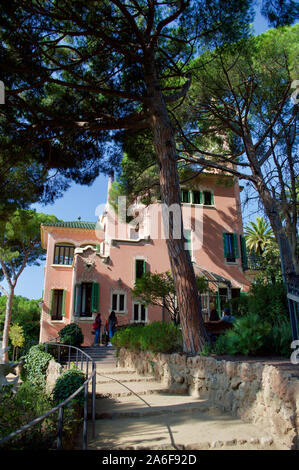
(61, 405)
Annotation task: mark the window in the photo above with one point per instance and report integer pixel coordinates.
(118, 302)
(57, 304)
(230, 247)
(196, 197)
(208, 199)
(139, 268)
(86, 292)
(63, 253)
(86, 299)
(185, 195)
(139, 313)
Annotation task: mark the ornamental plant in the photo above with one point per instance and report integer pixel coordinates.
(36, 364)
(71, 334)
(67, 384)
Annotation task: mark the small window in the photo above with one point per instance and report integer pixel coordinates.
(230, 246)
(208, 198)
(57, 309)
(185, 195)
(118, 302)
(139, 313)
(196, 197)
(139, 268)
(63, 253)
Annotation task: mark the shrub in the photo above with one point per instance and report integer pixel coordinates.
(161, 337)
(247, 337)
(279, 339)
(240, 305)
(35, 365)
(269, 301)
(67, 384)
(18, 409)
(156, 337)
(71, 334)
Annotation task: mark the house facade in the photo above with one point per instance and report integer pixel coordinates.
(92, 267)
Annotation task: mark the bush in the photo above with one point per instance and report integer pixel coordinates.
(128, 337)
(71, 334)
(269, 301)
(156, 337)
(240, 305)
(67, 384)
(247, 337)
(279, 339)
(20, 408)
(35, 365)
(161, 337)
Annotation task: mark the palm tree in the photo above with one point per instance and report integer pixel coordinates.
(258, 235)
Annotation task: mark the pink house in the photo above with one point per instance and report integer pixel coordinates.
(91, 267)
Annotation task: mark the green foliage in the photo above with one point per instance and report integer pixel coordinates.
(67, 384)
(16, 335)
(128, 337)
(279, 339)
(71, 334)
(269, 301)
(258, 234)
(161, 337)
(239, 305)
(18, 409)
(35, 365)
(26, 313)
(155, 337)
(246, 337)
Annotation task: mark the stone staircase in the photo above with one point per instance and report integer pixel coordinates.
(136, 412)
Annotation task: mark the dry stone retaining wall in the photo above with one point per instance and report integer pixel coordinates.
(254, 391)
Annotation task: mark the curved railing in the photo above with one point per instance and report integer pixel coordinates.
(85, 360)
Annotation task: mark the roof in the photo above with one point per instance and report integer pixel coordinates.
(211, 277)
(73, 224)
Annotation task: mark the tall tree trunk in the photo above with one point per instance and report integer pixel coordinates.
(193, 329)
(9, 299)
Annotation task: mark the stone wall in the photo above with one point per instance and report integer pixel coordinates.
(54, 370)
(254, 391)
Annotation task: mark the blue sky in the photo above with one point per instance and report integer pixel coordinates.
(84, 202)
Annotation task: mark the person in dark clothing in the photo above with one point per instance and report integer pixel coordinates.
(213, 315)
(97, 328)
(112, 323)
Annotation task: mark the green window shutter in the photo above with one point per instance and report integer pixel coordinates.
(243, 252)
(95, 297)
(236, 246)
(63, 303)
(212, 199)
(51, 301)
(224, 244)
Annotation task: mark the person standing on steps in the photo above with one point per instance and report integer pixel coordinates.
(112, 323)
(97, 324)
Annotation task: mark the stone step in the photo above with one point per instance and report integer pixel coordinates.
(124, 377)
(116, 389)
(201, 427)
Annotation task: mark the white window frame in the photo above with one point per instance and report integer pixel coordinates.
(139, 312)
(118, 293)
